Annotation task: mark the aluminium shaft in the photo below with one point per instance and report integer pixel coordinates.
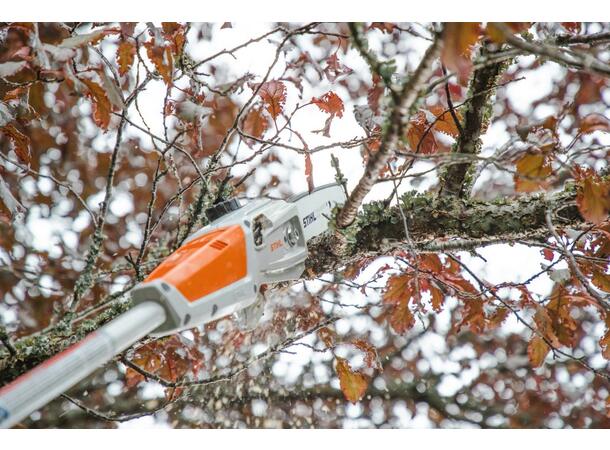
(48, 380)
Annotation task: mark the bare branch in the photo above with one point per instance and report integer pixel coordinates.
(584, 62)
(601, 300)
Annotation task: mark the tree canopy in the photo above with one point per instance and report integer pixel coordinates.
(465, 282)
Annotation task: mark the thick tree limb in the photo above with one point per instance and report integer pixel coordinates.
(595, 38)
(128, 409)
(476, 121)
(435, 221)
(392, 134)
(393, 392)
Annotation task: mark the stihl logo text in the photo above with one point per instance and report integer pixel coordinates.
(308, 220)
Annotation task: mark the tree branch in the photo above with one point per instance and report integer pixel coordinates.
(431, 219)
(392, 134)
(596, 38)
(584, 62)
(602, 300)
(476, 120)
(6, 340)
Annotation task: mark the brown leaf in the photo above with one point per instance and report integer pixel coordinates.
(572, 27)
(354, 269)
(444, 121)
(594, 201)
(5, 217)
(560, 327)
(309, 172)
(592, 195)
(451, 276)
(112, 90)
(604, 342)
(101, 104)
(273, 94)
(537, 350)
(497, 36)
(335, 69)
(16, 93)
(437, 298)
(89, 38)
(398, 288)
(174, 32)
(327, 336)
(420, 138)
(170, 28)
(353, 384)
(127, 28)
(371, 358)
(36, 98)
(594, 122)
(10, 68)
(498, 316)
(161, 56)
(21, 143)
(375, 93)
(147, 357)
(458, 40)
(170, 358)
(401, 318)
(473, 316)
(532, 172)
(431, 262)
(125, 55)
(223, 117)
(255, 124)
(329, 103)
(544, 324)
(601, 280)
(384, 27)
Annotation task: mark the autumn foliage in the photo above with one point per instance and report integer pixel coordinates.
(492, 308)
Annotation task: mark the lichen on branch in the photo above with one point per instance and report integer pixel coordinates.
(477, 117)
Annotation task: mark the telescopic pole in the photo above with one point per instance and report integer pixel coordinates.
(37, 387)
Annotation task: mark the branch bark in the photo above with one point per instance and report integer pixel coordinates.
(476, 120)
(584, 62)
(392, 134)
(431, 219)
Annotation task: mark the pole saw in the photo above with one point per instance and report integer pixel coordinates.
(219, 270)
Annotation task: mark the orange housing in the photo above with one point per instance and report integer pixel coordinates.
(206, 264)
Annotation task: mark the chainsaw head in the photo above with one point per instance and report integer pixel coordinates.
(220, 268)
